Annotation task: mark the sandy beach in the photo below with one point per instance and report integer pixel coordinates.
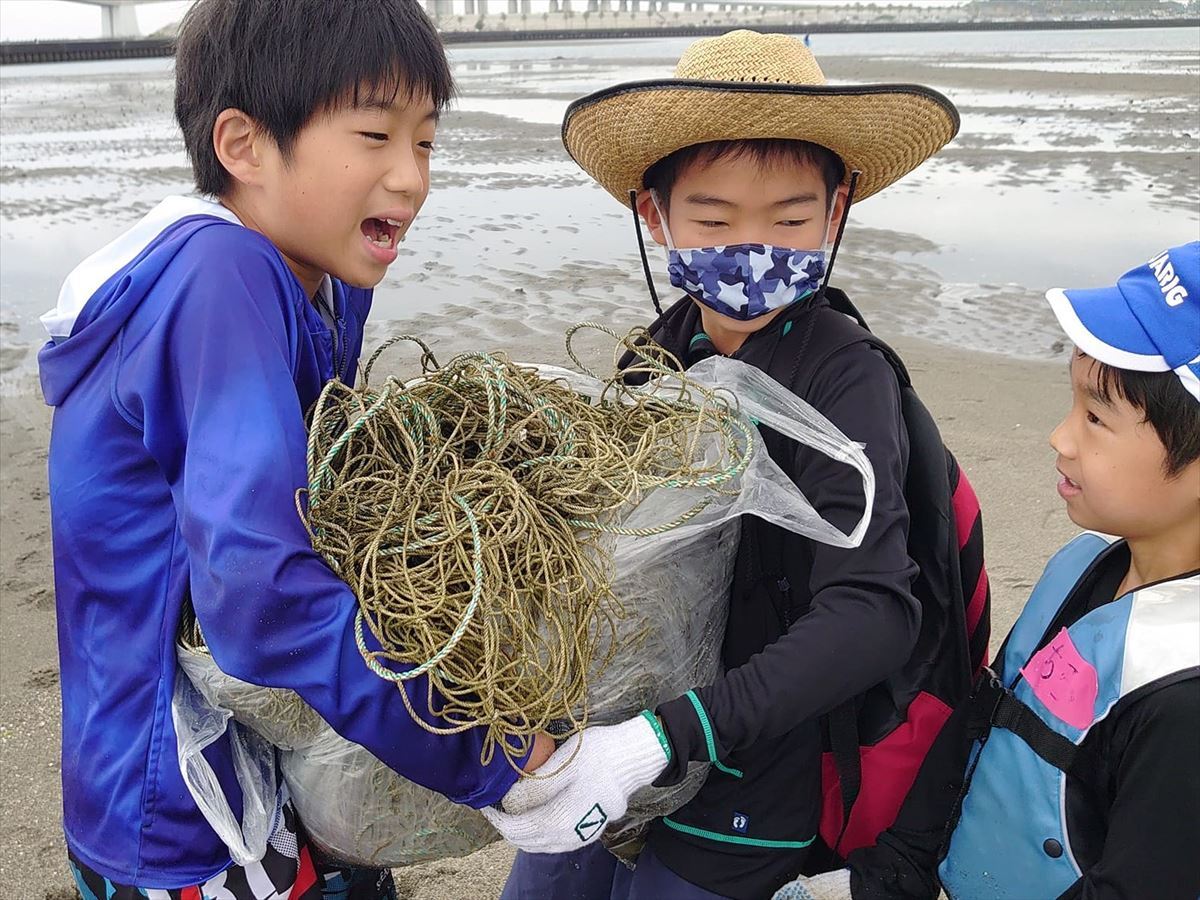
(1072, 165)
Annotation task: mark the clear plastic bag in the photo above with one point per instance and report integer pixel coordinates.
(668, 642)
(358, 810)
(353, 807)
(674, 587)
(198, 723)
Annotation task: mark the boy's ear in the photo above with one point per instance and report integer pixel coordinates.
(238, 143)
(839, 210)
(649, 213)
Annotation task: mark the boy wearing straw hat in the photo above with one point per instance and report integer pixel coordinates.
(744, 166)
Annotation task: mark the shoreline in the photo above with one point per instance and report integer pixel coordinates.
(1052, 155)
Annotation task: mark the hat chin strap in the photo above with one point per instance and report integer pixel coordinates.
(637, 229)
(837, 241)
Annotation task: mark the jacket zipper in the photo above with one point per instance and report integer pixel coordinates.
(785, 598)
(339, 349)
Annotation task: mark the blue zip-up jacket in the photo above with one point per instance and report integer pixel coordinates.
(181, 361)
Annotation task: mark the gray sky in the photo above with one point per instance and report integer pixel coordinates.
(28, 20)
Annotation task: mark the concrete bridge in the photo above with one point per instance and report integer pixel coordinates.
(119, 17)
(438, 9)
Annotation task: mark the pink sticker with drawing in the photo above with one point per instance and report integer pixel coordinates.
(1064, 681)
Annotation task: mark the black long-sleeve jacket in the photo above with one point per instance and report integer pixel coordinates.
(836, 623)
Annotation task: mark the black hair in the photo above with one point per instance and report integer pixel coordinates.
(1165, 405)
(765, 151)
(282, 62)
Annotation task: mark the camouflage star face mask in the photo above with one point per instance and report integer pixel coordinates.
(744, 281)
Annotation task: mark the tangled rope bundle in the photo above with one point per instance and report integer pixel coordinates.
(468, 510)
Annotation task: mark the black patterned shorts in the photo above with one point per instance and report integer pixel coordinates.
(288, 871)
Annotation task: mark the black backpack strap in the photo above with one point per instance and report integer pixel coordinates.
(841, 303)
(846, 328)
(808, 322)
(842, 725)
(797, 360)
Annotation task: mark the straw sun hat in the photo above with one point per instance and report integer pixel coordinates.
(747, 85)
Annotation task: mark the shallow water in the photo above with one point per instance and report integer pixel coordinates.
(1079, 156)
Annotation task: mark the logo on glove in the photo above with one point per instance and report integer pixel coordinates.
(592, 823)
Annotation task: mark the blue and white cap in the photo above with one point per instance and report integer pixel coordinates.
(1148, 322)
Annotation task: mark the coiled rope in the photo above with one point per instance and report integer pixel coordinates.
(472, 511)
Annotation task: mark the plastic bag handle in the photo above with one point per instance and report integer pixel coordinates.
(198, 723)
(764, 400)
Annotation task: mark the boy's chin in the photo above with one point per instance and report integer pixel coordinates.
(741, 326)
(360, 278)
(364, 284)
(1086, 522)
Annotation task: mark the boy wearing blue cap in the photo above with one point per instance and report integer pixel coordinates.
(1082, 779)
(1094, 709)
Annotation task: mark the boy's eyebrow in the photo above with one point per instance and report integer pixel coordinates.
(380, 105)
(799, 198)
(708, 200)
(1098, 397)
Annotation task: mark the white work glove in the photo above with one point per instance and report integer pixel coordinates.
(570, 806)
(833, 885)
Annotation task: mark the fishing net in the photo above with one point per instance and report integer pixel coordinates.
(550, 548)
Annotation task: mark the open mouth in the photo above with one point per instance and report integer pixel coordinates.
(1067, 486)
(382, 233)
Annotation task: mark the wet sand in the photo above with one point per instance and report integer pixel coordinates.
(1065, 170)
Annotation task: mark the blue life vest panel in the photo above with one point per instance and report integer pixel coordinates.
(1012, 839)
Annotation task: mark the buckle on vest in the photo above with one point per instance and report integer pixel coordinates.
(989, 692)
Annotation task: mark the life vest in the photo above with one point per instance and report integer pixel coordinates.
(1011, 840)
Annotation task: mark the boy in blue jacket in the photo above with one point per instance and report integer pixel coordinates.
(181, 360)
